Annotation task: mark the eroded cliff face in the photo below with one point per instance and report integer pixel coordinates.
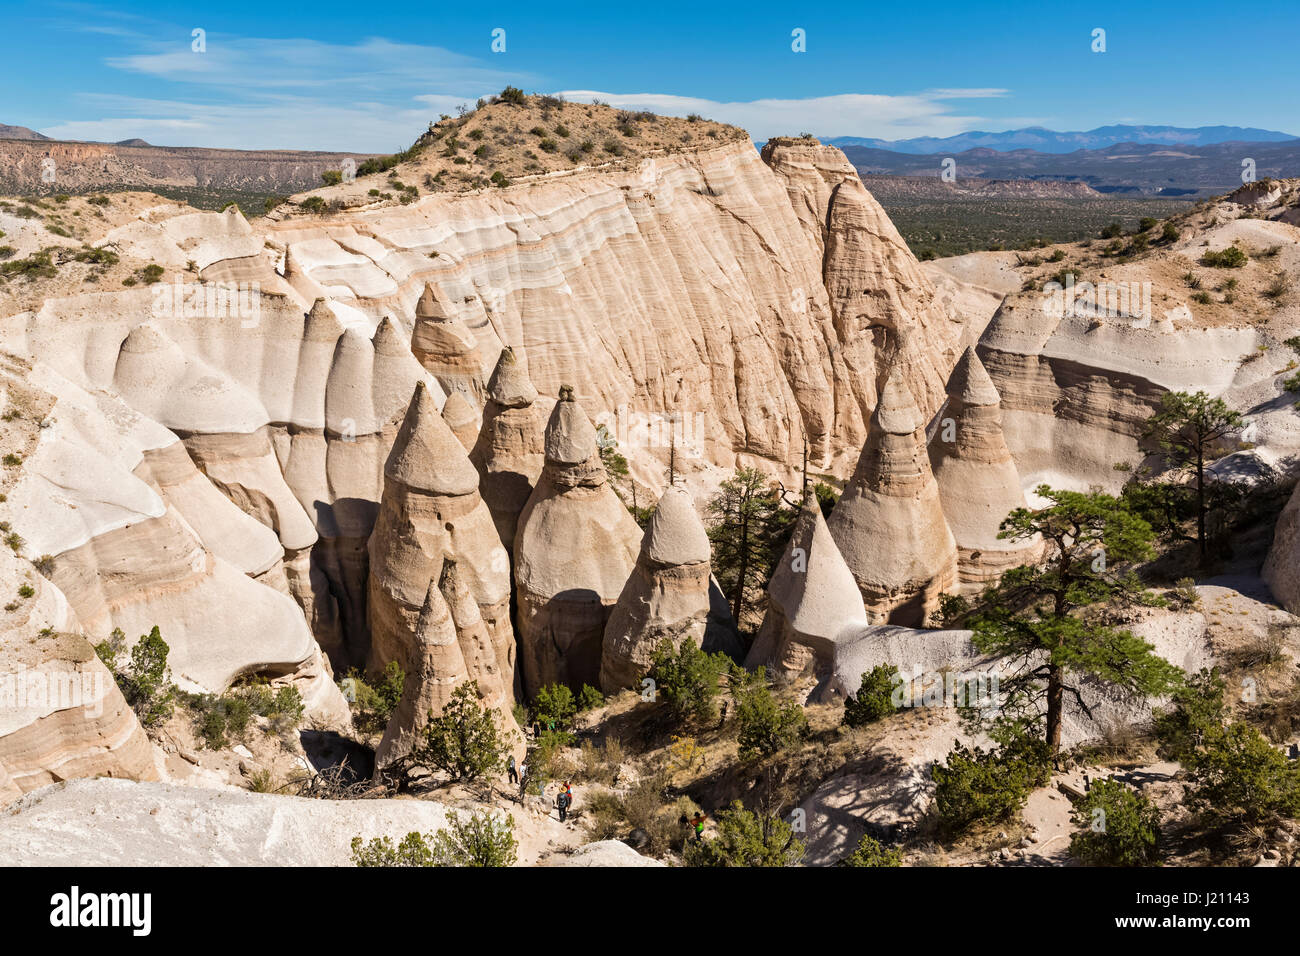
(225, 464)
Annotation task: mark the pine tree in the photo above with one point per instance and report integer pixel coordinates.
(1189, 430)
(748, 527)
(1044, 616)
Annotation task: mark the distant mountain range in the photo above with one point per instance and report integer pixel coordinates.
(22, 132)
(1052, 141)
(1126, 169)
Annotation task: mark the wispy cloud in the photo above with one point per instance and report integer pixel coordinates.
(374, 95)
(843, 114)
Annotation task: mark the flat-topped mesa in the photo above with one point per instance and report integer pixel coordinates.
(430, 511)
(575, 547)
(979, 484)
(889, 524)
(434, 666)
(462, 418)
(667, 595)
(510, 450)
(445, 345)
(813, 602)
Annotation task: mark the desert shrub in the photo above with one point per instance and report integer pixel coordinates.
(1278, 288)
(1112, 231)
(1197, 709)
(1232, 257)
(1169, 232)
(766, 725)
(372, 705)
(687, 679)
(1114, 826)
(332, 177)
(217, 719)
(1238, 778)
(554, 707)
(601, 763)
(315, 204)
(512, 95)
(871, 852)
(463, 740)
(26, 591)
(874, 698)
(548, 145)
(589, 698)
(1147, 223)
(144, 677)
(480, 840)
(746, 838)
(978, 785)
(414, 850)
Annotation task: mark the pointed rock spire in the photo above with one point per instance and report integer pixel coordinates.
(666, 596)
(426, 455)
(813, 599)
(434, 666)
(889, 524)
(510, 450)
(575, 546)
(430, 512)
(445, 345)
(510, 386)
(462, 418)
(979, 484)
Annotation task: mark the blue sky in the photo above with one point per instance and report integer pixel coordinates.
(369, 76)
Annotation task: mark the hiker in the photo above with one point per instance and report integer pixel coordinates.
(523, 780)
(513, 774)
(697, 822)
(564, 799)
(722, 719)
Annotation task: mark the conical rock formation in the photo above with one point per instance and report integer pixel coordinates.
(462, 418)
(510, 452)
(667, 595)
(446, 346)
(978, 481)
(434, 667)
(431, 512)
(813, 601)
(575, 547)
(889, 524)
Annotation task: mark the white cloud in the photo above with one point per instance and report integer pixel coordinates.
(843, 114)
(374, 95)
(279, 123)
